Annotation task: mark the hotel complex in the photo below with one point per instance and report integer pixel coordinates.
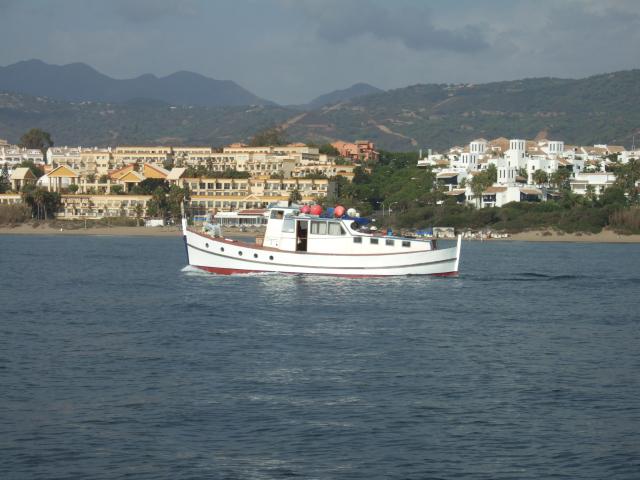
(101, 182)
(518, 164)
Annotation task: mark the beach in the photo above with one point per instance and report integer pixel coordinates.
(168, 231)
(605, 236)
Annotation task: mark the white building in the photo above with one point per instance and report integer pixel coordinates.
(12, 155)
(599, 181)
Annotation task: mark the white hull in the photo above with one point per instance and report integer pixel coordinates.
(224, 256)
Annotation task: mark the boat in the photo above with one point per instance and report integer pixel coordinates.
(301, 240)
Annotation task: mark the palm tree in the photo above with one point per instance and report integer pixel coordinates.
(479, 183)
(295, 196)
(39, 198)
(540, 177)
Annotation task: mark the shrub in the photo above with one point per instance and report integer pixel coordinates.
(14, 214)
(625, 221)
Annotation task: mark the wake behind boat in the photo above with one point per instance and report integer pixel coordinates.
(299, 241)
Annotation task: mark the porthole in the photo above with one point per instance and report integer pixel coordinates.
(270, 257)
(240, 253)
(255, 255)
(222, 249)
(206, 245)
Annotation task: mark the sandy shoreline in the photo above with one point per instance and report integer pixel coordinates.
(606, 236)
(174, 230)
(170, 231)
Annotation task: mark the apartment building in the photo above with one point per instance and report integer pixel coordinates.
(74, 206)
(157, 155)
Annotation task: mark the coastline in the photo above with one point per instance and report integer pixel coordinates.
(117, 231)
(606, 236)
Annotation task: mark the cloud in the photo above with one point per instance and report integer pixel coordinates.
(410, 24)
(6, 4)
(145, 11)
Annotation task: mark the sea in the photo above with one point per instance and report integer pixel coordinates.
(119, 361)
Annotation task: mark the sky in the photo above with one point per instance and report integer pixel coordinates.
(290, 51)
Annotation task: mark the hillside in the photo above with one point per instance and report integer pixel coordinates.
(599, 109)
(354, 91)
(77, 82)
(603, 109)
(136, 122)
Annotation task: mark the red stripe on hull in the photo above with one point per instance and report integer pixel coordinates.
(228, 271)
(237, 271)
(445, 274)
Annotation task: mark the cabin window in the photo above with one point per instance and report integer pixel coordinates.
(222, 249)
(319, 228)
(255, 255)
(357, 239)
(277, 214)
(373, 241)
(406, 243)
(288, 226)
(270, 257)
(206, 245)
(240, 253)
(390, 243)
(336, 229)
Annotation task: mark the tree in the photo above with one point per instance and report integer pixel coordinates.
(479, 183)
(492, 173)
(148, 186)
(560, 179)
(157, 206)
(329, 149)
(614, 195)
(44, 204)
(627, 176)
(117, 189)
(37, 139)
(175, 198)
(271, 136)
(138, 210)
(73, 188)
(35, 169)
(295, 196)
(5, 184)
(540, 177)
(522, 172)
(590, 194)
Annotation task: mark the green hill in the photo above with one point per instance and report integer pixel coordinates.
(602, 109)
(598, 109)
(135, 122)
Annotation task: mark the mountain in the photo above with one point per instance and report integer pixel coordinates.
(354, 91)
(599, 109)
(139, 121)
(78, 82)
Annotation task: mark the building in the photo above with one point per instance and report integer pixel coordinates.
(20, 177)
(82, 206)
(12, 155)
(157, 155)
(595, 182)
(360, 151)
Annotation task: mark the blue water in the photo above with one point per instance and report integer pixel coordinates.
(116, 361)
